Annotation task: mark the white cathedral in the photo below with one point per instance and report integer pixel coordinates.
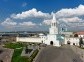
(53, 32)
(49, 39)
(53, 38)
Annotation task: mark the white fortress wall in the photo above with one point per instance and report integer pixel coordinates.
(28, 39)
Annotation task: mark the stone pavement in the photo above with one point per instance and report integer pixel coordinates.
(35, 59)
(58, 54)
(6, 55)
(79, 51)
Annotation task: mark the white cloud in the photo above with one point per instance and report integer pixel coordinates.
(27, 24)
(68, 15)
(8, 23)
(75, 15)
(47, 22)
(72, 19)
(64, 15)
(30, 13)
(24, 4)
(70, 12)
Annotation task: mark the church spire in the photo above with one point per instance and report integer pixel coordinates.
(53, 22)
(54, 18)
(54, 28)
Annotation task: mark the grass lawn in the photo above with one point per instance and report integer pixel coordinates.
(13, 45)
(17, 58)
(18, 47)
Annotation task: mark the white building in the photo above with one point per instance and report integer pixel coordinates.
(74, 39)
(50, 39)
(71, 40)
(54, 37)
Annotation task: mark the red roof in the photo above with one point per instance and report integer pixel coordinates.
(80, 33)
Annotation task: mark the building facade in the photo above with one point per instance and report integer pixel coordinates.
(53, 32)
(54, 37)
(49, 39)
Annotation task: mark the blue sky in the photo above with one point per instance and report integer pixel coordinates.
(39, 13)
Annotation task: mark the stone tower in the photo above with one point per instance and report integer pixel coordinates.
(53, 29)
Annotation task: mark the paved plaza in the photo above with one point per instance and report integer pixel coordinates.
(6, 55)
(58, 54)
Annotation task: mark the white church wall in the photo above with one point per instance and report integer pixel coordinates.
(53, 30)
(43, 38)
(30, 39)
(52, 38)
(57, 43)
(72, 40)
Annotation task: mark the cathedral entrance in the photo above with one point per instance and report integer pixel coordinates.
(51, 42)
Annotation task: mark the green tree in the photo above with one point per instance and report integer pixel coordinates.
(81, 42)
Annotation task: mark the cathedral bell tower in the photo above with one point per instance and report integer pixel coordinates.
(53, 29)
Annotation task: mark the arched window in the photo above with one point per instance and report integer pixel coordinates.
(75, 35)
